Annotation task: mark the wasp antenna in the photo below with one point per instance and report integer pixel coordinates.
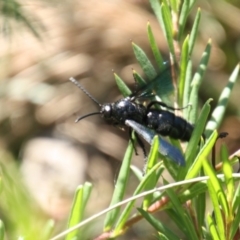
(73, 80)
(88, 115)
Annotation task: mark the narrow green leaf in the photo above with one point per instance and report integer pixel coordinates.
(168, 29)
(158, 225)
(209, 171)
(173, 215)
(194, 32)
(137, 172)
(219, 111)
(194, 142)
(192, 191)
(79, 204)
(120, 188)
(76, 213)
(185, 10)
(161, 236)
(144, 62)
(200, 206)
(206, 233)
(227, 171)
(154, 47)
(183, 18)
(182, 214)
(127, 210)
(197, 80)
(48, 229)
(152, 159)
(164, 19)
(155, 4)
(183, 69)
(174, 5)
(212, 228)
(87, 188)
(218, 198)
(236, 219)
(202, 156)
(159, 173)
(122, 86)
(194, 103)
(187, 89)
(153, 155)
(236, 199)
(139, 80)
(1, 182)
(192, 2)
(2, 230)
(172, 169)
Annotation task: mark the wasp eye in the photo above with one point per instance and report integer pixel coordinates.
(107, 111)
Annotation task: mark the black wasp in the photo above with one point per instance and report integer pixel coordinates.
(146, 121)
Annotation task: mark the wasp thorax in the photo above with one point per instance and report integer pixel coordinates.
(152, 120)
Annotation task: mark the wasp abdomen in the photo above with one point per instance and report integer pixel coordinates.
(168, 124)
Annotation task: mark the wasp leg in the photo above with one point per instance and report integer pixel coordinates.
(163, 105)
(141, 144)
(220, 136)
(132, 141)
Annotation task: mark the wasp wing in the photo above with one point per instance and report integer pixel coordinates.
(161, 85)
(165, 148)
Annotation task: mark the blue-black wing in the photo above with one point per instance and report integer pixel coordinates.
(161, 85)
(165, 148)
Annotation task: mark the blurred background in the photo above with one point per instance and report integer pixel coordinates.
(42, 44)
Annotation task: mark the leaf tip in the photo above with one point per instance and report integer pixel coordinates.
(209, 100)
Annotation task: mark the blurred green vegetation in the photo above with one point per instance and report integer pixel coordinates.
(43, 44)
